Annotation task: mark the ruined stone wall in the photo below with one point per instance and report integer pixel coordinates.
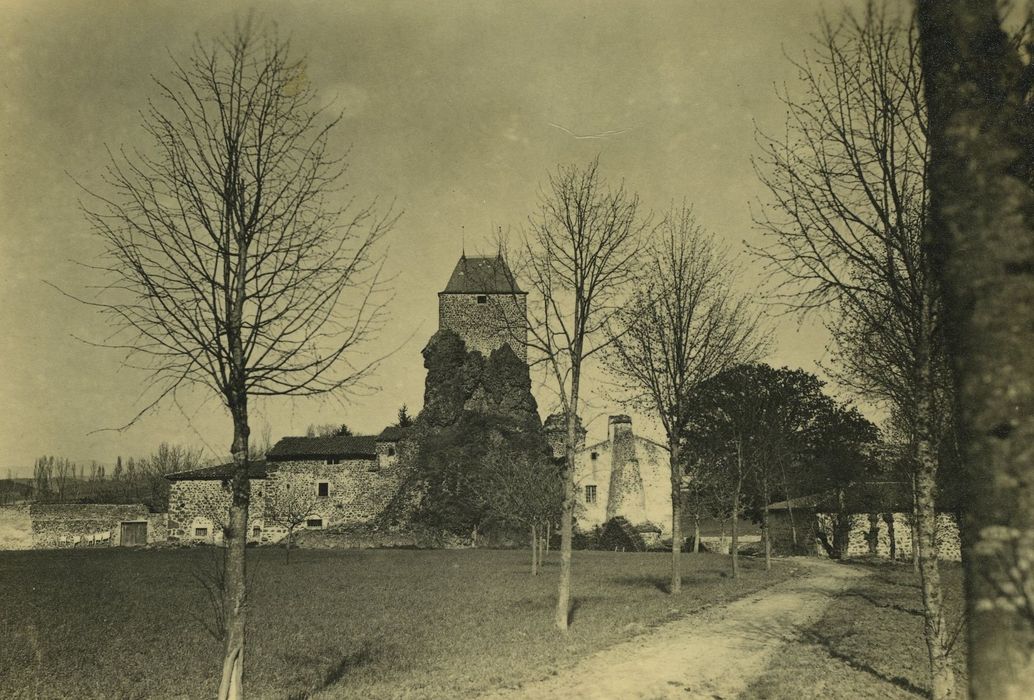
(88, 524)
(500, 320)
(196, 505)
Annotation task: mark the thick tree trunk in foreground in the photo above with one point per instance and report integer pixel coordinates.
(231, 687)
(983, 247)
(676, 515)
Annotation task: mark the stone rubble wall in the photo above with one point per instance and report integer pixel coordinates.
(197, 503)
(358, 490)
(948, 541)
(56, 526)
(485, 327)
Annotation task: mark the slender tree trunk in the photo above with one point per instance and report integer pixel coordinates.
(696, 532)
(978, 94)
(231, 686)
(675, 468)
(765, 533)
(891, 535)
(549, 533)
(563, 604)
(290, 534)
(736, 512)
(934, 629)
(534, 552)
(873, 538)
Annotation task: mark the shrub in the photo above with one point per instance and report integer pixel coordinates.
(618, 535)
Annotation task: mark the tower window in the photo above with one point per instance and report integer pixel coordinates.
(482, 299)
(323, 489)
(595, 455)
(590, 493)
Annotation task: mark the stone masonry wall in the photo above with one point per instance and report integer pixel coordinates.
(81, 524)
(196, 505)
(358, 490)
(487, 326)
(948, 541)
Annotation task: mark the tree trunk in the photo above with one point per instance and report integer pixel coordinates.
(231, 686)
(549, 533)
(977, 91)
(290, 534)
(563, 604)
(676, 514)
(696, 533)
(914, 529)
(766, 536)
(735, 533)
(873, 537)
(534, 553)
(891, 535)
(934, 629)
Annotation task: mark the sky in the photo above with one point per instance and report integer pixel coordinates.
(455, 112)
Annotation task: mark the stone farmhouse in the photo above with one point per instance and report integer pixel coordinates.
(340, 480)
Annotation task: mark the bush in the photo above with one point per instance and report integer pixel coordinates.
(618, 535)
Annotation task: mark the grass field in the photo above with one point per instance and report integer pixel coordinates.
(333, 623)
(869, 643)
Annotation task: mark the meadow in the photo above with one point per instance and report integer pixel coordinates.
(331, 623)
(869, 642)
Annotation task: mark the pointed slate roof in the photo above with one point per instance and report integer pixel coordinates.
(482, 275)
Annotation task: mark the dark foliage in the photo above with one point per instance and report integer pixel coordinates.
(475, 410)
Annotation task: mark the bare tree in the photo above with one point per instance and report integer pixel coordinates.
(981, 128)
(229, 266)
(577, 256)
(291, 507)
(683, 326)
(522, 487)
(847, 213)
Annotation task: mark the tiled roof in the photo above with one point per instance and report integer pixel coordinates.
(333, 447)
(257, 469)
(487, 275)
(392, 433)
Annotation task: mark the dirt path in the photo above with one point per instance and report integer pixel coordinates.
(714, 653)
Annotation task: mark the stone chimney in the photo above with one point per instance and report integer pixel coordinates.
(627, 497)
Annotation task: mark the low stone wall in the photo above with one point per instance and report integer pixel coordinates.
(15, 527)
(56, 526)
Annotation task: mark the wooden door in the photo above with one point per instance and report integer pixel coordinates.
(134, 534)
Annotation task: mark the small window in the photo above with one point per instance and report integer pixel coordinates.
(595, 455)
(590, 493)
(256, 531)
(391, 450)
(482, 299)
(333, 460)
(314, 523)
(323, 489)
(200, 532)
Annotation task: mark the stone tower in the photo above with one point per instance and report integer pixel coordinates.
(484, 306)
